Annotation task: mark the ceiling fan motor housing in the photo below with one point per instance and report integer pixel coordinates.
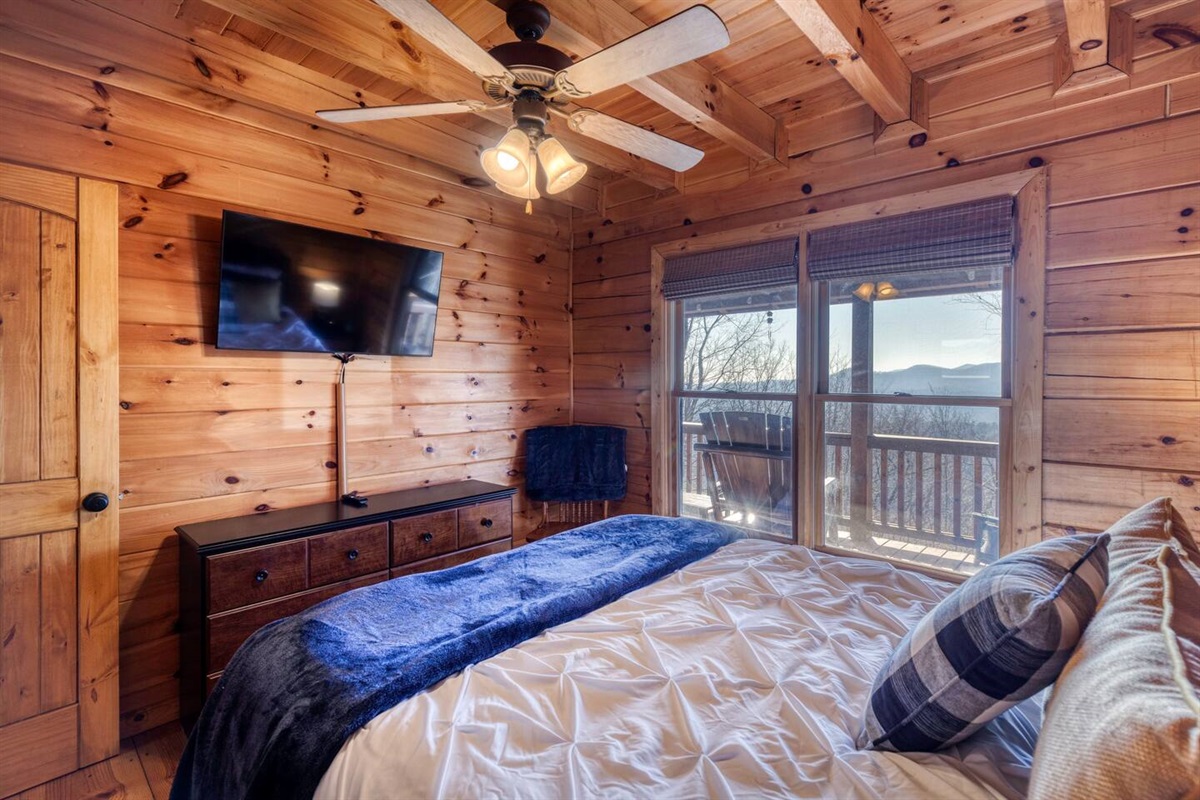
(530, 114)
(532, 63)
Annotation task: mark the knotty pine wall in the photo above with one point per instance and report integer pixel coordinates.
(208, 434)
(1122, 350)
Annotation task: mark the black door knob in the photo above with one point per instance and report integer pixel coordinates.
(426, 537)
(353, 554)
(95, 502)
(485, 522)
(260, 576)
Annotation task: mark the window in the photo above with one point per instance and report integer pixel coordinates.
(882, 397)
(733, 388)
(736, 400)
(911, 384)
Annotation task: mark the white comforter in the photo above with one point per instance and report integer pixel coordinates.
(743, 675)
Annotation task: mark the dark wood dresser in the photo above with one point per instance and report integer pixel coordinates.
(236, 575)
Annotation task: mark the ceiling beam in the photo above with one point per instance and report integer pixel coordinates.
(689, 91)
(1096, 47)
(1087, 32)
(853, 43)
(367, 36)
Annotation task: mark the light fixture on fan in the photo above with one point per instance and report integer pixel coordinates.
(883, 290)
(514, 161)
(537, 80)
(513, 164)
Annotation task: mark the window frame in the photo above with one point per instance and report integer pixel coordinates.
(1020, 458)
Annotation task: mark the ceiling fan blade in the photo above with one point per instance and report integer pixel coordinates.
(431, 25)
(639, 141)
(402, 111)
(687, 35)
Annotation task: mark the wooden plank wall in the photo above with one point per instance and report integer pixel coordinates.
(207, 434)
(1122, 381)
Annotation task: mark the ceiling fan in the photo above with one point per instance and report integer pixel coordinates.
(539, 81)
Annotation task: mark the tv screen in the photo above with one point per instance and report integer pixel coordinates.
(291, 287)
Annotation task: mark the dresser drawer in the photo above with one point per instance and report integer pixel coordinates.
(452, 560)
(226, 632)
(424, 536)
(485, 522)
(347, 554)
(258, 574)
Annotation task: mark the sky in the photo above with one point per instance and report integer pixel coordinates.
(939, 331)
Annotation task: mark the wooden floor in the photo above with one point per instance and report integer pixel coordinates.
(143, 770)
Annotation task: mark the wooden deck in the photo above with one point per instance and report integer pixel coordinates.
(962, 561)
(143, 770)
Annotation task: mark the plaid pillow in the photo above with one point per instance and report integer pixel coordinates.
(1001, 637)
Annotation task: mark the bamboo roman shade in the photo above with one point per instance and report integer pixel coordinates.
(750, 266)
(978, 234)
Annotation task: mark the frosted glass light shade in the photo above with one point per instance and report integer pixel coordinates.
(865, 292)
(886, 291)
(509, 163)
(562, 171)
(527, 192)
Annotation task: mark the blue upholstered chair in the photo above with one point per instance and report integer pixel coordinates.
(581, 468)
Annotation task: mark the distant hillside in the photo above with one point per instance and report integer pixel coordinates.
(981, 380)
(973, 380)
(969, 380)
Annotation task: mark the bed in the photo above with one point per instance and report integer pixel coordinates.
(742, 674)
(716, 666)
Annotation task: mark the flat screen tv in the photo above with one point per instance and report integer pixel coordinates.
(291, 287)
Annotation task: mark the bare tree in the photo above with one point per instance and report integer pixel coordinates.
(736, 353)
(991, 303)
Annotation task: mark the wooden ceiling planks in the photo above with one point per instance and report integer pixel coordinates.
(357, 30)
(930, 34)
(771, 69)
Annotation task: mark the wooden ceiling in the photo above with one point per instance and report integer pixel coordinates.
(767, 98)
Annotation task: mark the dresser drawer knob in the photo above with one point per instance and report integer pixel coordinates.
(260, 576)
(485, 522)
(426, 537)
(353, 554)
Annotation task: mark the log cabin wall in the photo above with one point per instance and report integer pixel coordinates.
(1121, 403)
(206, 434)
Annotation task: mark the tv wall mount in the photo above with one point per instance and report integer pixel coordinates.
(350, 498)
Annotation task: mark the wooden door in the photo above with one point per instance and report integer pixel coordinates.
(58, 443)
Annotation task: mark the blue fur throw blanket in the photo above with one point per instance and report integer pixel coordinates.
(300, 687)
(575, 462)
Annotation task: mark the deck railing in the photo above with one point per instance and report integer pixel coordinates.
(941, 491)
(923, 489)
(692, 469)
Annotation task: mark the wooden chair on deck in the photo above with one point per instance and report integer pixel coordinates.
(747, 459)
